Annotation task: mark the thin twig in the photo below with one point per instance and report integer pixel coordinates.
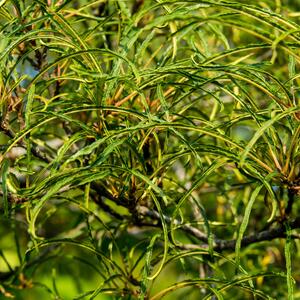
(34, 149)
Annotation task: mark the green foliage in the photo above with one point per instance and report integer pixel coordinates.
(149, 149)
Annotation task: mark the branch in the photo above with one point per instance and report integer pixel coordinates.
(144, 211)
(34, 149)
(265, 235)
(101, 191)
(219, 244)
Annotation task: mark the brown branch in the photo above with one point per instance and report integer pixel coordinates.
(144, 211)
(265, 235)
(220, 244)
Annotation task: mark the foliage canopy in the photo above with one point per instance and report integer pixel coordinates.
(149, 149)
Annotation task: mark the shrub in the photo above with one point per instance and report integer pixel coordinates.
(150, 149)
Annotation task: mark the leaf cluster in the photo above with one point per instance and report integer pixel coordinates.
(149, 149)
